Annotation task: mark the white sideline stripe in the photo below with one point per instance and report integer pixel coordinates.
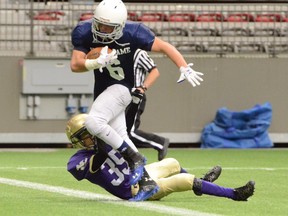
(104, 198)
(27, 168)
(194, 168)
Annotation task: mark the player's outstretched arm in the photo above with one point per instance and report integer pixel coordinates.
(193, 77)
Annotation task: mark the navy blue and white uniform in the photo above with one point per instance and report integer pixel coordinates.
(112, 88)
(135, 36)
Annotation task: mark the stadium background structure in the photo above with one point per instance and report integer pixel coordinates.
(244, 64)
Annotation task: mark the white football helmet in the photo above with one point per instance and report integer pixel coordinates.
(112, 13)
(76, 131)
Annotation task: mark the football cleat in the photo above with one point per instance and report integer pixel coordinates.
(244, 192)
(137, 171)
(147, 188)
(213, 174)
(197, 187)
(145, 194)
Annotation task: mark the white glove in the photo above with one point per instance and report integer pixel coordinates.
(192, 76)
(103, 60)
(106, 58)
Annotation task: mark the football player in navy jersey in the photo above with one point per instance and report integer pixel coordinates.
(102, 165)
(114, 75)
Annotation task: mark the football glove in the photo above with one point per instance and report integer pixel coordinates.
(193, 77)
(102, 61)
(136, 96)
(106, 58)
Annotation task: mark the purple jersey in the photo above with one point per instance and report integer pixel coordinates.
(113, 174)
(135, 36)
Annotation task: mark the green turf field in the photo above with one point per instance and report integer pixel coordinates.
(37, 183)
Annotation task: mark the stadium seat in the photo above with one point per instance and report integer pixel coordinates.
(285, 19)
(152, 17)
(203, 31)
(211, 17)
(174, 31)
(237, 31)
(189, 47)
(58, 30)
(133, 16)
(266, 32)
(215, 47)
(181, 17)
(249, 47)
(240, 17)
(48, 15)
(278, 48)
(86, 16)
(283, 31)
(268, 18)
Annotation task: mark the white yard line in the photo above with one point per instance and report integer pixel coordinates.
(188, 169)
(104, 198)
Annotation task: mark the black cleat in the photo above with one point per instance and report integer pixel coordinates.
(212, 174)
(197, 186)
(244, 192)
(163, 152)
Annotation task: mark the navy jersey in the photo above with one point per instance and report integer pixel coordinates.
(135, 36)
(113, 174)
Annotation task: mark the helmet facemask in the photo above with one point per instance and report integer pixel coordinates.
(80, 139)
(103, 37)
(78, 134)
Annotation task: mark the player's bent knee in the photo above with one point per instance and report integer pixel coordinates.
(172, 162)
(94, 125)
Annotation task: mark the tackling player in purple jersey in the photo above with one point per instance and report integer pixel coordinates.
(103, 166)
(110, 172)
(114, 75)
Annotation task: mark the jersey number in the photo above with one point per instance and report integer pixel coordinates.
(113, 169)
(115, 71)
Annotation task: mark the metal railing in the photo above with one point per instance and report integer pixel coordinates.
(43, 28)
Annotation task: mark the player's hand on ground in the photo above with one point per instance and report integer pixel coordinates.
(106, 58)
(193, 77)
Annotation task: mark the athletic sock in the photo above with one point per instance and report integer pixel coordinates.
(129, 154)
(183, 170)
(216, 190)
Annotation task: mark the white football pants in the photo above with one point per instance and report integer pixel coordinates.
(106, 119)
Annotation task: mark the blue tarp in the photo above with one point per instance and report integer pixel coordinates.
(244, 129)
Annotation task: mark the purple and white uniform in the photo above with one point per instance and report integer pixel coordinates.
(112, 175)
